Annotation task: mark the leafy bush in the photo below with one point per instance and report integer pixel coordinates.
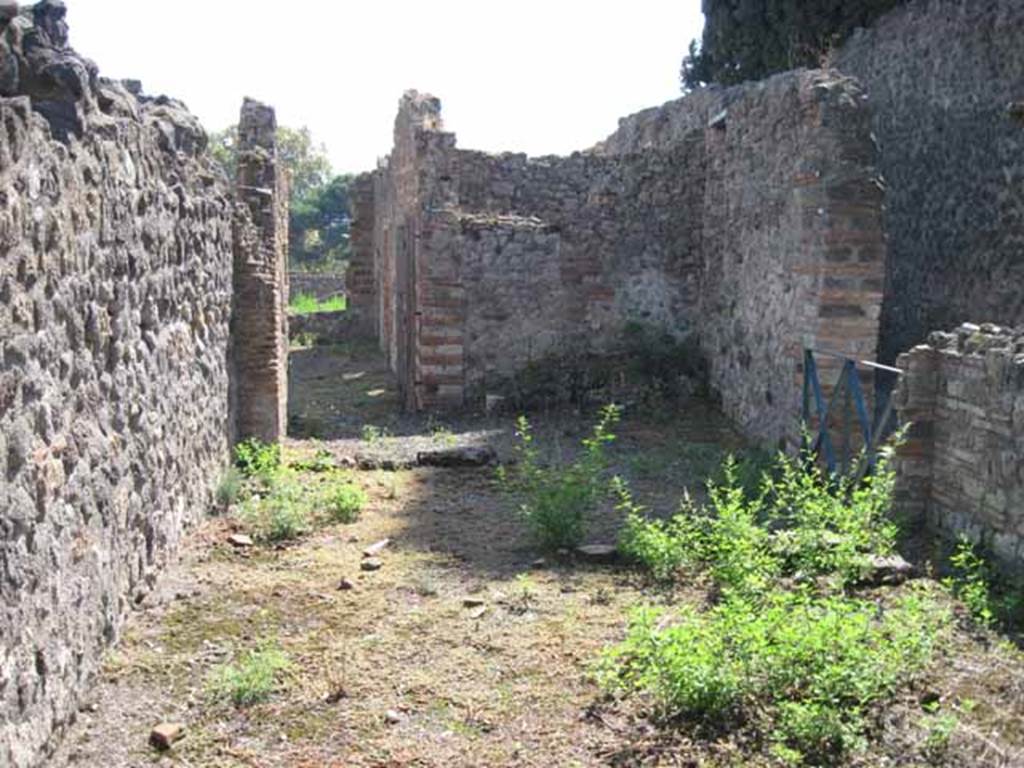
(782, 648)
(794, 525)
(993, 598)
(282, 514)
(344, 503)
(554, 501)
(252, 679)
(802, 668)
(253, 457)
(372, 434)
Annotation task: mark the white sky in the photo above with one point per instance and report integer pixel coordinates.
(536, 76)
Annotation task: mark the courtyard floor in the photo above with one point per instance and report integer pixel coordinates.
(468, 647)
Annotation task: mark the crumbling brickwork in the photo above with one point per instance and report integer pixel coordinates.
(941, 75)
(962, 466)
(748, 219)
(260, 318)
(361, 278)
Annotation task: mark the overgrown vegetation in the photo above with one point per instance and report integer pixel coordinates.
(306, 304)
(991, 598)
(751, 39)
(251, 679)
(253, 457)
(555, 499)
(282, 504)
(786, 648)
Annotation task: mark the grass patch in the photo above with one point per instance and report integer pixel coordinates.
(251, 679)
(307, 304)
(229, 489)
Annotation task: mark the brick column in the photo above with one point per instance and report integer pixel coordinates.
(915, 399)
(360, 280)
(259, 320)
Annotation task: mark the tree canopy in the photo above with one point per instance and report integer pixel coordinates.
(319, 214)
(751, 39)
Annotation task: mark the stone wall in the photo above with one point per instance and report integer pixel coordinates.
(940, 75)
(115, 299)
(962, 466)
(747, 218)
(260, 319)
(361, 278)
(320, 285)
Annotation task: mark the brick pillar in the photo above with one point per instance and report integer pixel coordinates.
(260, 321)
(360, 281)
(915, 400)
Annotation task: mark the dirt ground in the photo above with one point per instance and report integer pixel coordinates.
(465, 648)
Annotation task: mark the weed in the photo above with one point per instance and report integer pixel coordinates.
(229, 488)
(251, 679)
(253, 457)
(344, 502)
(554, 501)
(282, 515)
(322, 461)
(941, 726)
(970, 582)
(372, 434)
(441, 433)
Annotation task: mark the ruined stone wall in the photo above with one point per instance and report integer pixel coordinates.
(748, 218)
(792, 248)
(320, 285)
(510, 260)
(940, 75)
(962, 466)
(116, 250)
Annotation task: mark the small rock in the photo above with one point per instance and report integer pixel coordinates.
(478, 613)
(540, 562)
(372, 564)
(473, 602)
(165, 735)
(345, 585)
(375, 549)
(393, 717)
(240, 540)
(598, 553)
(890, 569)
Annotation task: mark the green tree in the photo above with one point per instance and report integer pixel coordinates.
(319, 217)
(751, 39)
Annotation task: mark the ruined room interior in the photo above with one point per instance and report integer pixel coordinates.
(758, 353)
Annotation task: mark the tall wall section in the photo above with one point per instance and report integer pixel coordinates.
(116, 250)
(941, 75)
(748, 219)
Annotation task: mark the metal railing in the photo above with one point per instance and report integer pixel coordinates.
(846, 411)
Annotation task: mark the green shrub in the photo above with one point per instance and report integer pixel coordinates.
(253, 457)
(322, 462)
(554, 501)
(803, 669)
(795, 524)
(344, 503)
(251, 679)
(372, 434)
(229, 488)
(282, 514)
